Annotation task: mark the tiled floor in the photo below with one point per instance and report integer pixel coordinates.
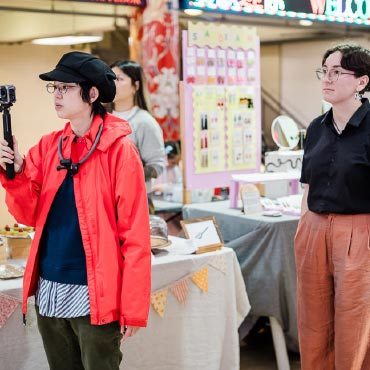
(257, 352)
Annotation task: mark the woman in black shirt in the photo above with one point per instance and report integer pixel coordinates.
(332, 243)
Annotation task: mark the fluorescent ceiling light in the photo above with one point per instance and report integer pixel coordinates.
(193, 12)
(305, 22)
(68, 40)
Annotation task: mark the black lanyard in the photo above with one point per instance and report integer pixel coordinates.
(67, 164)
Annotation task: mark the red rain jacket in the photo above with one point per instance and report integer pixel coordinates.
(112, 209)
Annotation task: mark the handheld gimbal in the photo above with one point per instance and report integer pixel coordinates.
(7, 98)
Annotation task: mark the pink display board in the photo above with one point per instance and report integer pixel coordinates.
(221, 108)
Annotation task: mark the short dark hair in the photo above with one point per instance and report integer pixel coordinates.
(355, 58)
(135, 72)
(96, 107)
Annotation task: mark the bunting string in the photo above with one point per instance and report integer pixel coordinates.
(180, 288)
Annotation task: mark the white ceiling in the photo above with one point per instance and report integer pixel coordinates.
(44, 18)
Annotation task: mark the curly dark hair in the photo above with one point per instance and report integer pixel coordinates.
(355, 58)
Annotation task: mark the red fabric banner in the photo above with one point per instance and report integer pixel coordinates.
(160, 59)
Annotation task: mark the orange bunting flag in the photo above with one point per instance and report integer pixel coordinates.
(159, 301)
(8, 305)
(180, 291)
(200, 279)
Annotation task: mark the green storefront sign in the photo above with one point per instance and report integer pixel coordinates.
(341, 11)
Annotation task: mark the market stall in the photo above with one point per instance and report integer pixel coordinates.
(192, 296)
(264, 247)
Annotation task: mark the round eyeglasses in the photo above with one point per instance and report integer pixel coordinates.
(332, 74)
(62, 89)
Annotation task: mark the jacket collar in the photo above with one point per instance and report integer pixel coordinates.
(113, 128)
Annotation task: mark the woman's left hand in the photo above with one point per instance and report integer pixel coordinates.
(128, 331)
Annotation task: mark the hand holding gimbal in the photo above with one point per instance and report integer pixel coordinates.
(7, 98)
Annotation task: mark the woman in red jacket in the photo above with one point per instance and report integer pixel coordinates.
(83, 189)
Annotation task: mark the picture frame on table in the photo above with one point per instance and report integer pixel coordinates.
(204, 232)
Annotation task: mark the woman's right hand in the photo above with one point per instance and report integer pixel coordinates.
(304, 205)
(7, 155)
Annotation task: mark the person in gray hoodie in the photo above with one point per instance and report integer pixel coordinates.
(130, 105)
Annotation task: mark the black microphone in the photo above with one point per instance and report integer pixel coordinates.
(73, 169)
(65, 164)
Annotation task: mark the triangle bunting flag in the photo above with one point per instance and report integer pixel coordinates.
(180, 290)
(219, 263)
(200, 279)
(159, 301)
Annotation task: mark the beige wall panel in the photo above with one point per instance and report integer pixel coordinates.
(33, 113)
(270, 69)
(270, 81)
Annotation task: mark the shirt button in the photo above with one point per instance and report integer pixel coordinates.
(328, 183)
(332, 160)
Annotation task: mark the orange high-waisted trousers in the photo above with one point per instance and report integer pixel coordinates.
(333, 291)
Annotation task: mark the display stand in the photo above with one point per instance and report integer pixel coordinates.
(257, 178)
(220, 105)
(284, 160)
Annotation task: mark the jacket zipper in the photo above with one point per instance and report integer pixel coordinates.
(92, 257)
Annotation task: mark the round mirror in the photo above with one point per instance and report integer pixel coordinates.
(284, 132)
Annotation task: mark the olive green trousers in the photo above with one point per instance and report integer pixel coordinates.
(75, 344)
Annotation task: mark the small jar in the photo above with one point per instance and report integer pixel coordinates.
(158, 232)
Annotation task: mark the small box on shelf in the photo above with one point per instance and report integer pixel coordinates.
(17, 247)
(3, 253)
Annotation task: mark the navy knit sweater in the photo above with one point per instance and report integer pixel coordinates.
(62, 257)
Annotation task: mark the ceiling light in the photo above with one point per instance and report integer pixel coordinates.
(193, 12)
(68, 40)
(305, 22)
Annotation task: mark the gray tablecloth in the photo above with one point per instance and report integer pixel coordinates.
(162, 206)
(264, 247)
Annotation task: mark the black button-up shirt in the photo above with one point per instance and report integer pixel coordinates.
(337, 167)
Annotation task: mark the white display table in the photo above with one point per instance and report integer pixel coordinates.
(201, 334)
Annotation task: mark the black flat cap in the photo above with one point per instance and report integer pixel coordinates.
(77, 67)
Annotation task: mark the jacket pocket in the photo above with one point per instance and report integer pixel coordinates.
(351, 249)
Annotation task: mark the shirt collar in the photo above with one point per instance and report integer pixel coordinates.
(90, 135)
(357, 117)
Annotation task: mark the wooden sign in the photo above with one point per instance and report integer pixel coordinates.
(204, 233)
